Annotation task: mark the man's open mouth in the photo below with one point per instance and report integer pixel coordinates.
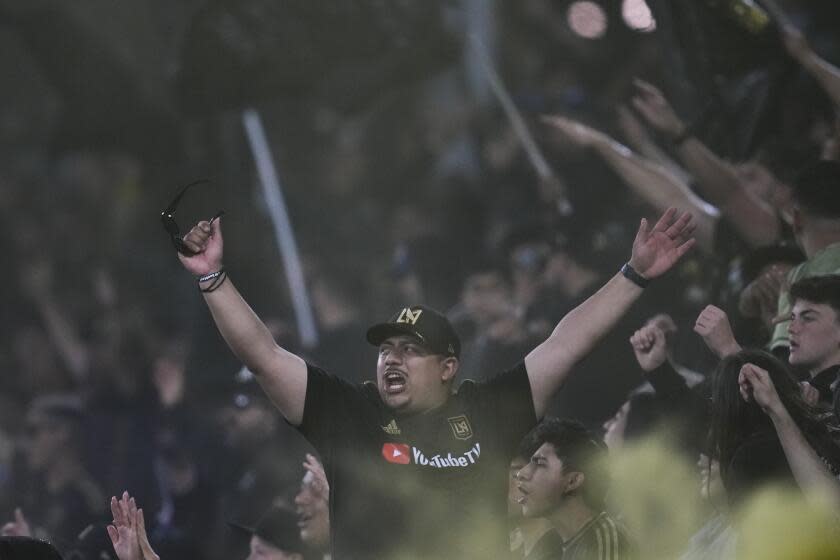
(524, 497)
(394, 381)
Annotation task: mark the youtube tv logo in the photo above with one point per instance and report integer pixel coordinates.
(398, 453)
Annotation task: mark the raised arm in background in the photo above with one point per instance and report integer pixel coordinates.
(655, 251)
(810, 472)
(798, 48)
(755, 220)
(639, 139)
(281, 374)
(655, 183)
(713, 325)
(128, 531)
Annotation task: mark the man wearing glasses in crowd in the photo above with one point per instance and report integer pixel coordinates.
(417, 469)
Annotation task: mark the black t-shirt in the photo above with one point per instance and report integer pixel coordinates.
(431, 485)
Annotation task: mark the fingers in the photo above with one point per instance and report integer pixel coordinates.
(198, 237)
(644, 231)
(556, 121)
(685, 247)
(752, 379)
(747, 381)
(645, 338)
(132, 512)
(665, 220)
(681, 226)
(646, 88)
(114, 534)
(116, 512)
(19, 517)
(810, 394)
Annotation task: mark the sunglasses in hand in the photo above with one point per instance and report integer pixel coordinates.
(167, 218)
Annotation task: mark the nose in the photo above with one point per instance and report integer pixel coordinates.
(393, 356)
(524, 473)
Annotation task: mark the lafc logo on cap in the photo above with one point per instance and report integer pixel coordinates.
(409, 316)
(461, 428)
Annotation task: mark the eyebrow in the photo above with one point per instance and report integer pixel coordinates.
(807, 311)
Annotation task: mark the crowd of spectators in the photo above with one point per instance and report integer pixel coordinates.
(114, 379)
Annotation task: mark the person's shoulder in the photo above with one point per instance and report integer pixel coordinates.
(548, 547)
(610, 538)
(825, 261)
(470, 387)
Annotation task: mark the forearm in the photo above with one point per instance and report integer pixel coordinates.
(754, 220)
(661, 188)
(281, 374)
(652, 152)
(715, 177)
(246, 335)
(810, 473)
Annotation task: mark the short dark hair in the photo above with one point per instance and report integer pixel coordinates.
(818, 289)
(579, 449)
(816, 189)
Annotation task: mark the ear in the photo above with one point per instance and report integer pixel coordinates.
(450, 368)
(574, 481)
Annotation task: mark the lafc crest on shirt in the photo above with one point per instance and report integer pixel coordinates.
(461, 428)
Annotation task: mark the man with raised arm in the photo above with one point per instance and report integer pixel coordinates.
(415, 468)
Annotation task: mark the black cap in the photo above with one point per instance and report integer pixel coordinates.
(430, 327)
(278, 527)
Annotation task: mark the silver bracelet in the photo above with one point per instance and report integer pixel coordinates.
(211, 276)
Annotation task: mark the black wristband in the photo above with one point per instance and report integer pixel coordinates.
(630, 273)
(219, 280)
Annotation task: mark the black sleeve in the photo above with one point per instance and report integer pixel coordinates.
(329, 402)
(507, 398)
(687, 405)
(667, 382)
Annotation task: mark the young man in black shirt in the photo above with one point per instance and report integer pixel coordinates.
(417, 470)
(815, 334)
(566, 482)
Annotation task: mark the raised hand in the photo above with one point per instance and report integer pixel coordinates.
(656, 250)
(755, 383)
(143, 539)
(128, 532)
(655, 109)
(761, 296)
(713, 325)
(123, 532)
(810, 394)
(650, 346)
(205, 239)
(17, 528)
(319, 477)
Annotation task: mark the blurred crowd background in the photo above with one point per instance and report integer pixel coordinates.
(405, 182)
